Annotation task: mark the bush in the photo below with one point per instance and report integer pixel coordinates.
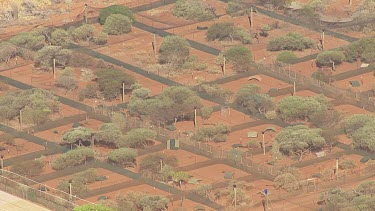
(67, 80)
(115, 9)
(287, 181)
(89, 92)
(139, 138)
(253, 144)
(217, 133)
(110, 82)
(174, 49)
(123, 156)
(28, 168)
(44, 57)
(60, 37)
(271, 115)
(346, 164)
(321, 76)
(364, 159)
(286, 57)
(227, 31)
(192, 63)
(236, 8)
(83, 33)
(117, 24)
(240, 57)
(216, 90)
(30, 40)
(150, 165)
(291, 41)
(325, 58)
(101, 39)
(73, 158)
(193, 10)
(362, 49)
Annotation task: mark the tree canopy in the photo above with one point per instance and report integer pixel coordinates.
(228, 31)
(76, 136)
(115, 9)
(361, 128)
(193, 10)
(44, 57)
(302, 108)
(174, 50)
(299, 140)
(123, 156)
(117, 24)
(36, 105)
(291, 41)
(250, 98)
(240, 57)
(110, 82)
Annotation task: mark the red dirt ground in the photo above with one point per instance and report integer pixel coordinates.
(51, 136)
(350, 109)
(266, 83)
(303, 93)
(367, 79)
(21, 147)
(214, 173)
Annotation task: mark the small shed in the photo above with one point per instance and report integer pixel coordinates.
(354, 83)
(255, 77)
(252, 134)
(173, 144)
(320, 154)
(228, 175)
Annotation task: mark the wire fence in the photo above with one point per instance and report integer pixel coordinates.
(31, 190)
(362, 100)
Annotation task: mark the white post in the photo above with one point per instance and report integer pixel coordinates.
(86, 13)
(251, 19)
(70, 190)
(323, 40)
(350, 2)
(154, 44)
(20, 119)
(161, 164)
(2, 164)
(123, 91)
(54, 68)
(195, 118)
(294, 88)
(235, 195)
(263, 144)
(224, 64)
(337, 168)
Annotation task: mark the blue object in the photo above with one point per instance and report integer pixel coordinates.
(265, 191)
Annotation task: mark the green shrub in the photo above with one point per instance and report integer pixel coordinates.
(217, 133)
(31, 40)
(193, 10)
(123, 156)
(28, 168)
(83, 33)
(362, 49)
(325, 58)
(253, 144)
(227, 31)
(174, 50)
(192, 63)
(236, 8)
(101, 39)
(89, 92)
(117, 24)
(216, 90)
(364, 159)
(240, 57)
(346, 164)
(73, 158)
(286, 57)
(110, 82)
(44, 57)
(291, 41)
(270, 115)
(60, 37)
(264, 30)
(115, 9)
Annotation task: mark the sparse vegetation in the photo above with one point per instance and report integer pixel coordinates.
(227, 31)
(193, 10)
(115, 9)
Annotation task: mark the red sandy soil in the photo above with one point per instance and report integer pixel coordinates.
(21, 147)
(350, 110)
(303, 93)
(184, 158)
(266, 83)
(240, 136)
(10, 89)
(307, 68)
(341, 8)
(344, 139)
(263, 159)
(308, 171)
(144, 188)
(186, 205)
(51, 136)
(215, 173)
(231, 118)
(368, 80)
(113, 179)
